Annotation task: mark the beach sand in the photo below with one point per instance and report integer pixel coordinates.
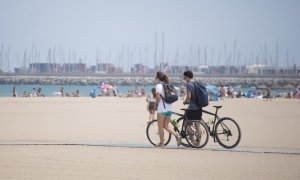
(112, 121)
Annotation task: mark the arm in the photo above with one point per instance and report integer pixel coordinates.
(157, 94)
(157, 99)
(188, 97)
(188, 93)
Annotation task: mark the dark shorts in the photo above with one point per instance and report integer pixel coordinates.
(194, 114)
(151, 106)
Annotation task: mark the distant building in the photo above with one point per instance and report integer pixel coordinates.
(106, 68)
(92, 69)
(262, 69)
(139, 69)
(177, 69)
(44, 68)
(74, 68)
(17, 70)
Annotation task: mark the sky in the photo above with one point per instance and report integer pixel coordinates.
(119, 30)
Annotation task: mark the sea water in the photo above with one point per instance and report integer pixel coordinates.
(50, 90)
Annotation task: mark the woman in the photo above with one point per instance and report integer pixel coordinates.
(164, 110)
(151, 104)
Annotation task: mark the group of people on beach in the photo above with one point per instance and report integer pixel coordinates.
(109, 92)
(136, 92)
(73, 94)
(37, 92)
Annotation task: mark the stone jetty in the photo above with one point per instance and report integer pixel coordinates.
(243, 81)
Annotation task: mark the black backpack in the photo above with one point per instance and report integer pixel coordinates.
(171, 95)
(201, 95)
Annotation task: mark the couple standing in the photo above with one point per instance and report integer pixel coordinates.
(164, 110)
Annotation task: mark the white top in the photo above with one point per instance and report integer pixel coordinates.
(151, 98)
(161, 108)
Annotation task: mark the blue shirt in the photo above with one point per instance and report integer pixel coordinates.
(191, 88)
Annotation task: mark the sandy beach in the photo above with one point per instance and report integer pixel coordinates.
(119, 125)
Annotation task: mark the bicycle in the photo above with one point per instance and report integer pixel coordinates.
(194, 132)
(224, 130)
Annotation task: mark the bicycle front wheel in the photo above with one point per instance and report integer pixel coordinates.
(153, 134)
(196, 134)
(228, 133)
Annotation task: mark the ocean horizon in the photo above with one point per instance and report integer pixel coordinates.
(51, 90)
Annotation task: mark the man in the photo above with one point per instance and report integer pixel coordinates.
(194, 112)
(268, 96)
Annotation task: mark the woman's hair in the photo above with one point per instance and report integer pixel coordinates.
(162, 77)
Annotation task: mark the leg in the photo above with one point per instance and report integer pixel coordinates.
(190, 133)
(160, 123)
(166, 126)
(194, 139)
(170, 130)
(152, 114)
(194, 115)
(198, 129)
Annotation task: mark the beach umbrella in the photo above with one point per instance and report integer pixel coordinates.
(106, 86)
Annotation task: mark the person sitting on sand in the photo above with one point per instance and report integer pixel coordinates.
(104, 92)
(77, 93)
(129, 94)
(151, 104)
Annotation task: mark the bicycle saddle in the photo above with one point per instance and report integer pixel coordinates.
(217, 107)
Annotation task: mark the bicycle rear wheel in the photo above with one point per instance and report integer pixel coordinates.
(153, 134)
(228, 133)
(196, 134)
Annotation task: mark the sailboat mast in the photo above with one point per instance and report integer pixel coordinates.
(163, 47)
(155, 49)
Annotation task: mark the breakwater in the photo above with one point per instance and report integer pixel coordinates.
(243, 81)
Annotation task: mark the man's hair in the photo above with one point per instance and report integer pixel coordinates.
(188, 74)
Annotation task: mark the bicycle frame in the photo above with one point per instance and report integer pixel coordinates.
(216, 119)
(181, 132)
